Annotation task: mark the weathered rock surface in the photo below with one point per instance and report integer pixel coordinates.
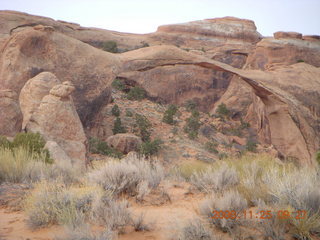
(30, 51)
(10, 115)
(56, 120)
(32, 93)
(270, 53)
(278, 35)
(124, 142)
(58, 154)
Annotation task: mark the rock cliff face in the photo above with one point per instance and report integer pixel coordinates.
(217, 60)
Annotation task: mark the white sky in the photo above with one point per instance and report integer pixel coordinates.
(143, 16)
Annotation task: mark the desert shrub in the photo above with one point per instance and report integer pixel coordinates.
(143, 127)
(274, 228)
(117, 126)
(139, 224)
(21, 165)
(169, 114)
(110, 46)
(186, 170)
(83, 232)
(318, 157)
(251, 145)
(111, 213)
(5, 143)
(136, 93)
(101, 147)
(216, 179)
(55, 203)
(192, 125)
(300, 61)
(229, 201)
(211, 147)
(222, 110)
(195, 230)
(124, 177)
(191, 105)
(115, 110)
(33, 142)
(306, 227)
(129, 113)
(118, 84)
(150, 148)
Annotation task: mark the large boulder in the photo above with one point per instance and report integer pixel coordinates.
(10, 115)
(56, 119)
(124, 142)
(32, 93)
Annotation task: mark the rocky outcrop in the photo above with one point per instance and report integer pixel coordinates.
(30, 51)
(56, 120)
(289, 120)
(10, 115)
(295, 35)
(284, 50)
(58, 155)
(124, 142)
(32, 93)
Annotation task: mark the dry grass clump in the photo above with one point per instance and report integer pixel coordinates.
(20, 165)
(83, 232)
(140, 225)
(186, 170)
(229, 201)
(126, 176)
(195, 229)
(55, 203)
(215, 179)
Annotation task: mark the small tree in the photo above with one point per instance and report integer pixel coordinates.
(251, 145)
(117, 127)
(222, 110)
(110, 46)
(115, 110)
(318, 157)
(169, 113)
(144, 126)
(118, 84)
(136, 93)
(150, 147)
(193, 125)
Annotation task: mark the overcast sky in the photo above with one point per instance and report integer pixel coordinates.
(143, 16)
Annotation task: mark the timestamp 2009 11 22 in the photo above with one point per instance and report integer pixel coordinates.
(263, 214)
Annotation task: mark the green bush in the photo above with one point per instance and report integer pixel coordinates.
(251, 145)
(115, 110)
(222, 110)
(5, 143)
(300, 61)
(211, 147)
(143, 125)
(110, 46)
(100, 147)
(129, 113)
(33, 142)
(118, 84)
(169, 113)
(117, 127)
(318, 157)
(149, 148)
(192, 126)
(136, 93)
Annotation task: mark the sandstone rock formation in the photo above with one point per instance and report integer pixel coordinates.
(124, 142)
(58, 155)
(56, 120)
(30, 51)
(32, 93)
(10, 115)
